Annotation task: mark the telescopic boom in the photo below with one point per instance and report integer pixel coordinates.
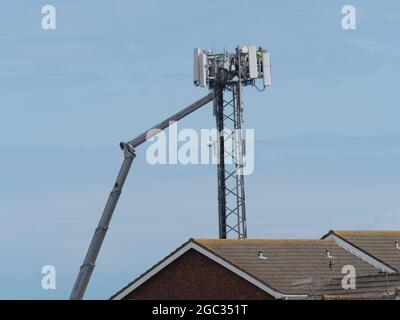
(88, 265)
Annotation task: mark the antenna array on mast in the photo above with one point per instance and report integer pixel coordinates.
(225, 74)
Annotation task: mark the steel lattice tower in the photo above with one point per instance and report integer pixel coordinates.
(225, 74)
(231, 195)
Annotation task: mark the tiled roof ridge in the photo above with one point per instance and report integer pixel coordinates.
(367, 231)
(205, 240)
(342, 236)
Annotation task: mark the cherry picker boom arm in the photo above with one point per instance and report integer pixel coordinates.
(88, 265)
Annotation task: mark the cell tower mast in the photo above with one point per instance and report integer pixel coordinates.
(225, 74)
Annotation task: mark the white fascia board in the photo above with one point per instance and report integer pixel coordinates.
(227, 265)
(360, 254)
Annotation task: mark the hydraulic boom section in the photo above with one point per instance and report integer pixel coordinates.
(88, 265)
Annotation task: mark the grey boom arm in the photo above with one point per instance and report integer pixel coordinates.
(88, 265)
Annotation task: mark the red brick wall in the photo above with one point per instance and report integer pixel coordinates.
(194, 276)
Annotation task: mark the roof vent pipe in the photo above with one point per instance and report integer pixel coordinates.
(331, 263)
(261, 256)
(328, 254)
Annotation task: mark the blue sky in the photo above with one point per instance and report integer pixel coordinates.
(327, 130)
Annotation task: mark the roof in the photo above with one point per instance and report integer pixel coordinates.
(289, 263)
(381, 245)
(192, 244)
(290, 269)
(384, 286)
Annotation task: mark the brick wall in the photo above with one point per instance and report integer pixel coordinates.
(194, 276)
